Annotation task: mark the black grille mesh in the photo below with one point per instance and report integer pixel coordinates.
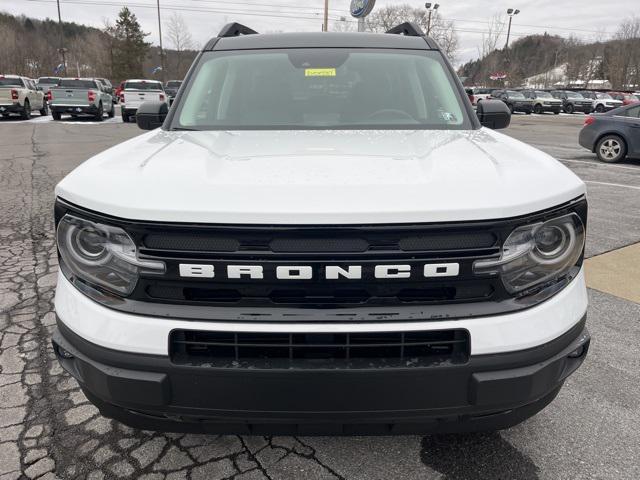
(319, 350)
(460, 241)
(192, 242)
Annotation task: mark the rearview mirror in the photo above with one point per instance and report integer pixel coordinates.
(493, 114)
(151, 115)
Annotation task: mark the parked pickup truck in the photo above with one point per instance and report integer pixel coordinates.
(20, 95)
(321, 236)
(137, 91)
(80, 97)
(46, 83)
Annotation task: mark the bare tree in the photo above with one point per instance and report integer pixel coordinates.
(181, 40)
(490, 38)
(442, 30)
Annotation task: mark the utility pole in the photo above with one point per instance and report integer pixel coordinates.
(511, 12)
(431, 7)
(161, 50)
(325, 25)
(62, 49)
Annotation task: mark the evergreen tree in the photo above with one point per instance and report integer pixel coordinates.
(129, 46)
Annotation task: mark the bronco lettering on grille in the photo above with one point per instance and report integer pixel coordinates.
(305, 272)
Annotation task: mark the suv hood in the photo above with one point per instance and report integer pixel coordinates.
(320, 177)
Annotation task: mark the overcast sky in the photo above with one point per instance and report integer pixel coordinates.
(582, 18)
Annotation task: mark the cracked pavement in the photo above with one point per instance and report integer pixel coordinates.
(49, 430)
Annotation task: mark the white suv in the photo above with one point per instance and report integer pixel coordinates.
(322, 237)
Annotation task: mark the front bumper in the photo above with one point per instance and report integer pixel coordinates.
(488, 392)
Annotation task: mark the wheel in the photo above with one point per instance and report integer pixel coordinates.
(125, 117)
(44, 111)
(556, 112)
(611, 149)
(26, 110)
(569, 108)
(528, 112)
(100, 113)
(537, 108)
(600, 108)
(112, 111)
(56, 115)
(510, 108)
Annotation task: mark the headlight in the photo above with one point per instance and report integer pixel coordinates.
(102, 255)
(537, 254)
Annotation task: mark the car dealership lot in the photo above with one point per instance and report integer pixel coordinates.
(46, 425)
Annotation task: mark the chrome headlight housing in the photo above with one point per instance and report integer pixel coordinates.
(102, 255)
(538, 254)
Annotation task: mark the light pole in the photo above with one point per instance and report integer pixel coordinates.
(62, 50)
(325, 24)
(161, 49)
(431, 7)
(511, 12)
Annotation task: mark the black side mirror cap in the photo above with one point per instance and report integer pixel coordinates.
(493, 114)
(151, 115)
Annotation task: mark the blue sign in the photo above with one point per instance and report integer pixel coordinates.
(361, 8)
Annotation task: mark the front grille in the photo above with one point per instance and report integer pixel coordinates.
(319, 350)
(367, 297)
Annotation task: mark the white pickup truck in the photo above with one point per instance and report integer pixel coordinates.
(136, 92)
(20, 95)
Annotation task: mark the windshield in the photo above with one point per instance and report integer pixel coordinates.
(173, 84)
(142, 86)
(574, 95)
(11, 82)
(49, 80)
(513, 94)
(543, 94)
(81, 84)
(321, 89)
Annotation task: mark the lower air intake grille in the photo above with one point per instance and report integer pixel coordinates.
(319, 350)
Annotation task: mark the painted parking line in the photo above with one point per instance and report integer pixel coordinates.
(616, 272)
(601, 165)
(612, 184)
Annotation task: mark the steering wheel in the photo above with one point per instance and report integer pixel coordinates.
(391, 112)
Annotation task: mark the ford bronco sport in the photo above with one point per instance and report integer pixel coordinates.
(322, 238)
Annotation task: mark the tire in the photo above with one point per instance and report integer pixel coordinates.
(537, 109)
(112, 112)
(510, 108)
(26, 110)
(569, 108)
(611, 149)
(56, 115)
(100, 113)
(556, 112)
(44, 111)
(599, 108)
(528, 112)
(125, 117)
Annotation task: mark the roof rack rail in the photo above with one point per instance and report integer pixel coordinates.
(235, 30)
(408, 28)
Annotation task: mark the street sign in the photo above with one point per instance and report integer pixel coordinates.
(361, 8)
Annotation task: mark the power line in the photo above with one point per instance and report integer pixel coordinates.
(293, 16)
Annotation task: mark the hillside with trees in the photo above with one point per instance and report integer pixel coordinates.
(616, 60)
(117, 51)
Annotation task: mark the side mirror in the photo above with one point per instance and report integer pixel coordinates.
(493, 114)
(151, 115)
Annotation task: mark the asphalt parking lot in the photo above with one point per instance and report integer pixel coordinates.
(49, 430)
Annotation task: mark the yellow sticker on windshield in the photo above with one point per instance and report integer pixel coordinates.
(319, 72)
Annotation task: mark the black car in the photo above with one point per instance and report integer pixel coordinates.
(516, 101)
(613, 135)
(172, 87)
(573, 101)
